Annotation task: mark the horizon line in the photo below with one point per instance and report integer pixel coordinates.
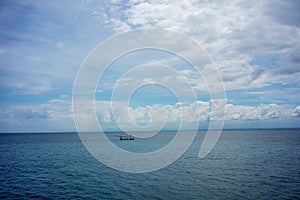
(170, 130)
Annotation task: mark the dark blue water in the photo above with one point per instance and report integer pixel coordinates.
(256, 164)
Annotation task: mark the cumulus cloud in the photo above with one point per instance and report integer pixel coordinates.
(261, 112)
(188, 113)
(296, 112)
(41, 117)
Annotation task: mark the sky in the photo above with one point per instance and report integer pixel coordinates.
(255, 47)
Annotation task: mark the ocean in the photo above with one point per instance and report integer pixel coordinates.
(245, 164)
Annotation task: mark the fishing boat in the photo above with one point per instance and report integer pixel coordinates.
(126, 137)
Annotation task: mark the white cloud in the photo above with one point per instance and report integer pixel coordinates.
(27, 84)
(59, 44)
(107, 117)
(2, 51)
(153, 116)
(296, 111)
(232, 32)
(38, 117)
(164, 77)
(41, 117)
(261, 112)
(257, 93)
(195, 111)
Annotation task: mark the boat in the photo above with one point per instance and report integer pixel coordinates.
(125, 137)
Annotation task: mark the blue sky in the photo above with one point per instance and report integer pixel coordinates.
(255, 46)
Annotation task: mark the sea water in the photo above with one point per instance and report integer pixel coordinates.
(245, 164)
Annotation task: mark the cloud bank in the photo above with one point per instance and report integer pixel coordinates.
(57, 115)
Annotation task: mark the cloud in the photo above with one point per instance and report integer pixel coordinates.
(41, 117)
(191, 112)
(59, 44)
(2, 51)
(152, 116)
(32, 37)
(261, 112)
(278, 9)
(230, 31)
(37, 117)
(296, 112)
(44, 43)
(21, 84)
